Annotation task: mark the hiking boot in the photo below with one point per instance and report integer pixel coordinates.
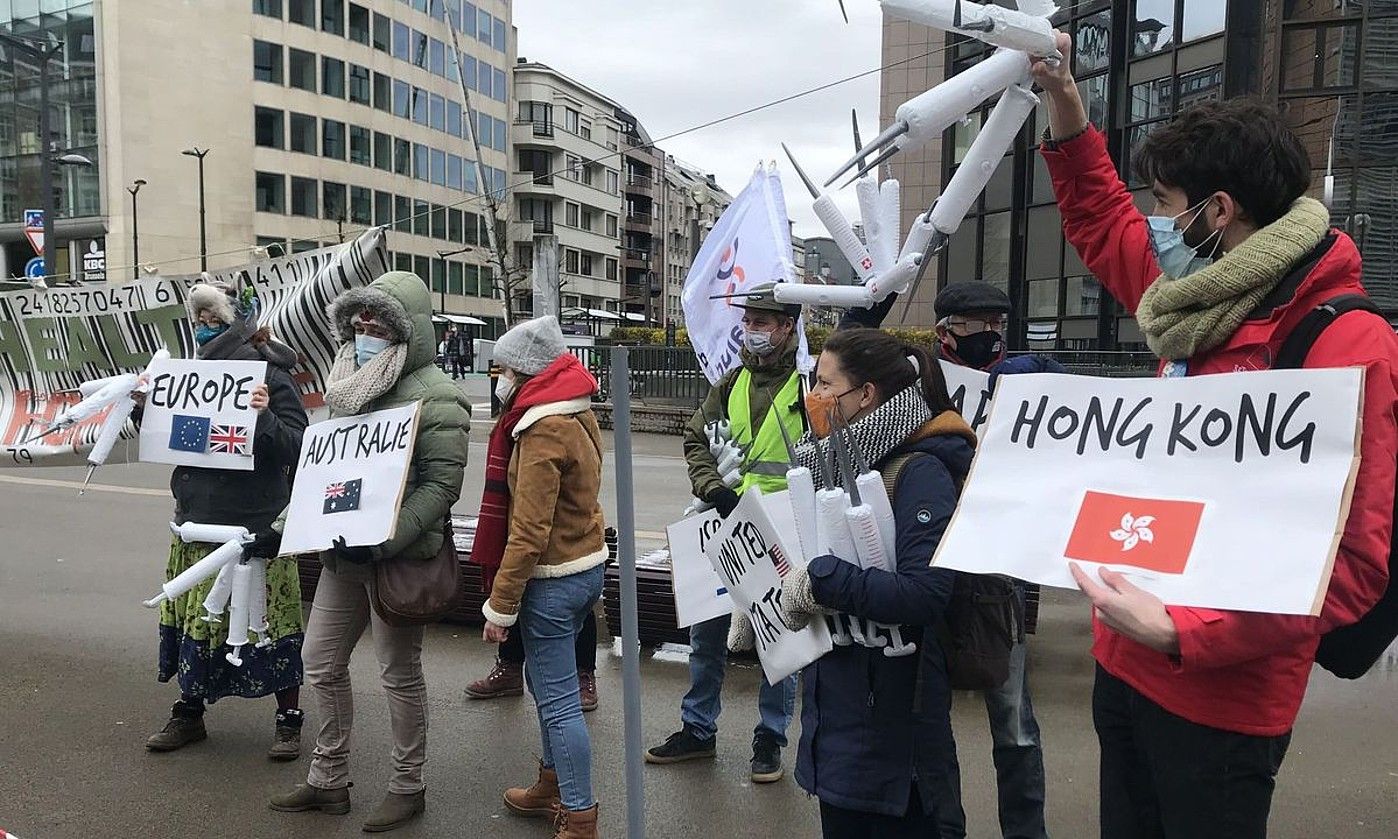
(186, 726)
(304, 797)
(396, 810)
(575, 824)
(286, 741)
(681, 746)
(507, 679)
(766, 759)
(539, 800)
(587, 689)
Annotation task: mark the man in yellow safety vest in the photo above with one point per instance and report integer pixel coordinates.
(755, 400)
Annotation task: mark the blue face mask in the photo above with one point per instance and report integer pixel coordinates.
(1175, 257)
(204, 333)
(367, 346)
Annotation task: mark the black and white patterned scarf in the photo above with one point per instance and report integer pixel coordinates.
(876, 434)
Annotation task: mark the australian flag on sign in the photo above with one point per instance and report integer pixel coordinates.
(228, 439)
(343, 496)
(189, 434)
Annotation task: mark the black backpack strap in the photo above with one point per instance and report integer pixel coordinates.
(1297, 345)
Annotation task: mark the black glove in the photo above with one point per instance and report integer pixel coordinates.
(359, 555)
(266, 543)
(724, 499)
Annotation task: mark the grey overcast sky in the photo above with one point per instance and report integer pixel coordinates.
(676, 65)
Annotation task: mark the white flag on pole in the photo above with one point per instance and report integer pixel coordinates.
(750, 245)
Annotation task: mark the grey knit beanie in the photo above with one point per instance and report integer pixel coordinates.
(531, 346)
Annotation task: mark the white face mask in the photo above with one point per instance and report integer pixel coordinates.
(504, 388)
(367, 346)
(758, 343)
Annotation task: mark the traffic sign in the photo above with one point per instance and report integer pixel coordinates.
(34, 268)
(34, 229)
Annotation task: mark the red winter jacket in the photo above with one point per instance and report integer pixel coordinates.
(1242, 671)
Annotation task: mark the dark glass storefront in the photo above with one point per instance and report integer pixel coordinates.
(1327, 64)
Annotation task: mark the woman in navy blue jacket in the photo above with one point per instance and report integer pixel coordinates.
(875, 721)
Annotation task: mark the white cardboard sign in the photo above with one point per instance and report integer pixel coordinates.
(970, 393)
(700, 594)
(1227, 491)
(751, 556)
(198, 413)
(350, 479)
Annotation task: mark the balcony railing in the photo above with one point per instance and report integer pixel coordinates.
(540, 128)
(543, 225)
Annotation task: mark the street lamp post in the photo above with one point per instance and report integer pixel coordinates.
(443, 289)
(135, 234)
(195, 151)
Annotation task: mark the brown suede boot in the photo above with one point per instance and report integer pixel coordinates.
(587, 689)
(541, 799)
(507, 679)
(575, 824)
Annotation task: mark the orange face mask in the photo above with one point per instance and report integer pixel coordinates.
(819, 409)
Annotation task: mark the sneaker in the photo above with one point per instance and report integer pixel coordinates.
(506, 679)
(766, 759)
(186, 726)
(286, 741)
(587, 689)
(681, 746)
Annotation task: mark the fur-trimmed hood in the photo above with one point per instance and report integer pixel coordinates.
(219, 298)
(400, 301)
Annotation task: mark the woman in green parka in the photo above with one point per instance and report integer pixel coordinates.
(386, 360)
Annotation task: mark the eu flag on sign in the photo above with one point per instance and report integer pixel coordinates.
(189, 434)
(343, 496)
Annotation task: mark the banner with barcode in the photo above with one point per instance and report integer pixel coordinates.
(52, 341)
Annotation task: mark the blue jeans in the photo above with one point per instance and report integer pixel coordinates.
(550, 617)
(708, 658)
(1018, 756)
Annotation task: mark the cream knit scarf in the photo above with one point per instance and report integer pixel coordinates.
(1201, 311)
(352, 388)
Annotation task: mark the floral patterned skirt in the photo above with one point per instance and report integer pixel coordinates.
(192, 650)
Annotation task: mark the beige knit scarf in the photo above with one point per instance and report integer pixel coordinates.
(1201, 311)
(352, 388)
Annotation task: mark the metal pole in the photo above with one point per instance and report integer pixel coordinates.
(630, 630)
(135, 235)
(46, 171)
(203, 232)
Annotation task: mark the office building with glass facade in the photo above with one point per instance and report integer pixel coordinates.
(1331, 67)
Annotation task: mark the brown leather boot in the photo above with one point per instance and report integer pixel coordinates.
(541, 799)
(507, 679)
(587, 689)
(575, 824)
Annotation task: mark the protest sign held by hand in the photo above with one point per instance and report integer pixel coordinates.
(200, 413)
(350, 479)
(752, 557)
(1227, 491)
(969, 389)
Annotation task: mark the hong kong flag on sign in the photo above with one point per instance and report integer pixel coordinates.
(1154, 534)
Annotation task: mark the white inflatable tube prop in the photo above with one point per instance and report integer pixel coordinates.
(873, 493)
(933, 112)
(800, 486)
(983, 158)
(217, 533)
(216, 603)
(238, 626)
(867, 191)
(230, 551)
(995, 25)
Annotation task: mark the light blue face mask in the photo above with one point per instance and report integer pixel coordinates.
(367, 346)
(1176, 258)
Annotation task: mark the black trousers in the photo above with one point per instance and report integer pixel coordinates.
(839, 823)
(585, 649)
(1164, 777)
(458, 366)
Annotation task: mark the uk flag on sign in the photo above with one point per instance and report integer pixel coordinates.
(343, 496)
(228, 439)
(189, 434)
(1154, 534)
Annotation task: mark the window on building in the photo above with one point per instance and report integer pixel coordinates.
(471, 282)
(383, 93)
(420, 106)
(1153, 28)
(585, 264)
(610, 268)
(358, 24)
(403, 158)
(499, 33)
(305, 195)
(1320, 56)
(438, 280)
(402, 99)
(332, 139)
(454, 278)
(302, 69)
(613, 181)
(473, 226)
(302, 12)
(361, 205)
(484, 26)
(572, 167)
(383, 151)
(402, 41)
(360, 145)
(468, 64)
(332, 16)
(437, 112)
(383, 209)
(269, 127)
(421, 161)
(359, 85)
(422, 266)
(570, 260)
(484, 78)
(419, 47)
(439, 222)
(403, 262)
(468, 19)
(383, 33)
(422, 219)
(502, 85)
(303, 134)
(267, 62)
(585, 129)
(437, 57)
(453, 118)
(454, 168)
(502, 139)
(455, 230)
(570, 214)
(611, 226)
(403, 214)
(267, 8)
(270, 192)
(332, 77)
(469, 180)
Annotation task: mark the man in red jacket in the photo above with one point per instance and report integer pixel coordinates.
(1194, 707)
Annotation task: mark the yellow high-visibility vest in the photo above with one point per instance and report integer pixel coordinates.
(766, 462)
